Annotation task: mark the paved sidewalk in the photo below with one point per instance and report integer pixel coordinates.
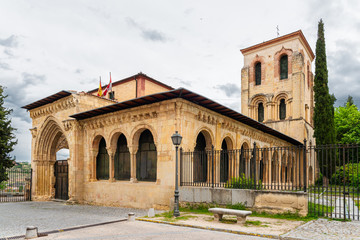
(48, 216)
(325, 229)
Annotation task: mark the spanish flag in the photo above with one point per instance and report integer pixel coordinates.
(100, 93)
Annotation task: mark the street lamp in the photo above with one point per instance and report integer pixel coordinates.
(176, 139)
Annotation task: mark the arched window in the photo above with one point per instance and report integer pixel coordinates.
(200, 159)
(260, 112)
(122, 160)
(258, 73)
(284, 67)
(282, 109)
(102, 161)
(146, 158)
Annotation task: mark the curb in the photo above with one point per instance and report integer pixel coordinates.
(210, 228)
(43, 234)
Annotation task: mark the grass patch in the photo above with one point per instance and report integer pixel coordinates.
(228, 221)
(319, 210)
(285, 216)
(255, 223)
(169, 216)
(237, 206)
(201, 208)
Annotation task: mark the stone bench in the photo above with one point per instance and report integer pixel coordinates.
(240, 214)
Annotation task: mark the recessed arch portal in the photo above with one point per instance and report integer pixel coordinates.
(49, 141)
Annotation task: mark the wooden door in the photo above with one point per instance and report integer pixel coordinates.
(62, 180)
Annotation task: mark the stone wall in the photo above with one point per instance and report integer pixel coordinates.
(259, 200)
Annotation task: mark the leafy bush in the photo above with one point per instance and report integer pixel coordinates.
(319, 180)
(352, 175)
(242, 182)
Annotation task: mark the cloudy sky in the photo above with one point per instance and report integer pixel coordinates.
(48, 46)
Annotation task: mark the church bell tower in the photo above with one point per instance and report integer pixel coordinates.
(277, 85)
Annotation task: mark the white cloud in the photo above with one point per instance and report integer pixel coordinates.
(67, 44)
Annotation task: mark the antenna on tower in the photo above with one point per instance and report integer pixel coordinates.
(277, 28)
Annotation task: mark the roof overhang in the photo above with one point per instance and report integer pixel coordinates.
(191, 97)
(47, 100)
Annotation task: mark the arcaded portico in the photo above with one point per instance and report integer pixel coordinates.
(120, 149)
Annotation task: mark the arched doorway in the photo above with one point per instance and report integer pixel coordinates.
(224, 162)
(200, 159)
(51, 154)
(146, 158)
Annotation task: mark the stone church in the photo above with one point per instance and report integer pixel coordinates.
(120, 146)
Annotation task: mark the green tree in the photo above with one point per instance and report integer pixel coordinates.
(7, 138)
(347, 124)
(324, 131)
(324, 125)
(350, 100)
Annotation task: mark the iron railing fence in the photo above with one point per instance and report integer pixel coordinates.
(335, 190)
(18, 187)
(274, 168)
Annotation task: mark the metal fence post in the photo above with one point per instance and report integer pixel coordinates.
(212, 166)
(254, 164)
(181, 166)
(305, 166)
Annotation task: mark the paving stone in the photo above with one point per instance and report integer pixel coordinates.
(48, 216)
(326, 229)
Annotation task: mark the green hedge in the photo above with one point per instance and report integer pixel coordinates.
(352, 175)
(242, 182)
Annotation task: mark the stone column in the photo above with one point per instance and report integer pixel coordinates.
(93, 165)
(133, 149)
(111, 153)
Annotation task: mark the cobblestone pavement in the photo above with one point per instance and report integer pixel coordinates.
(47, 216)
(145, 231)
(325, 229)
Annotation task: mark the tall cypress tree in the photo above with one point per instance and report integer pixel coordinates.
(324, 109)
(324, 125)
(7, 138)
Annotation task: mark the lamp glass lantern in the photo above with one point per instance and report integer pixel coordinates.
(176, 138)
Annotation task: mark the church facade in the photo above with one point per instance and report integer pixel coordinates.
(121, 152)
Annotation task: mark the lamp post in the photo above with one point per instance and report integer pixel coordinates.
(176, 139)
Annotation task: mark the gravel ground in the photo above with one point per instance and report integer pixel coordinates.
(47, 216)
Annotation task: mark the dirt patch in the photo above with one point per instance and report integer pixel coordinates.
(253, 224)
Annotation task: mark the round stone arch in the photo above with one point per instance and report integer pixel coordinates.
(230, 141)
(276, 101)
(209, 137)
(114, 136)
(254, 105)
(257, 59)
(277, 57)
(50, 138)
(136, 132)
